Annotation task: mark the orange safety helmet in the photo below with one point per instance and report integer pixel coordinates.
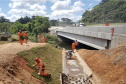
(36, 59)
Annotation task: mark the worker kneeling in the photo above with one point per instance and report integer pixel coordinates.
(41, 68)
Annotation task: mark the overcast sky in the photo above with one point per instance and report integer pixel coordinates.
(54, 9)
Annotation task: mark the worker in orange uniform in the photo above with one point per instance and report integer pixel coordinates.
(26, 37)
(76, 44)
(41, 68)
(21, 37)
(73, 46)
(39, 36)
(44, 39)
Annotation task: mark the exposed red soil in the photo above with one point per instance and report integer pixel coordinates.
(23, 63)
(109, 65)
(13, 68)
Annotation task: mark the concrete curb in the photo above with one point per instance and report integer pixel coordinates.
(86, 68)
(64, 62)
(63, 65)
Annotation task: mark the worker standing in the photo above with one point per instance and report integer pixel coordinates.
(73, 46)
(44, 39)
(76, 44)
(26, 37)
(21, 37)
(39, 36)
(41, 68)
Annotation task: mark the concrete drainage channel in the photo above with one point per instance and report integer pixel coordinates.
(73, 72)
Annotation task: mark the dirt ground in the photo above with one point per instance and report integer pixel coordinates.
(13, 68)
(109, 65)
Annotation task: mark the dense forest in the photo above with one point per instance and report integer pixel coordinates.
(108, 11)
(34, 25)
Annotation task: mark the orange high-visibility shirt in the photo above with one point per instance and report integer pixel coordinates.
(19, 34)
(38, 62)
(44, 38)
(25, 34)
(40, 66)
(39, 36)
(73, 45)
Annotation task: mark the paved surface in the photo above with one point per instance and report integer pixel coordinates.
(75, 74)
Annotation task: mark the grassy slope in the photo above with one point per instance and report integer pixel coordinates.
(52, 58)
(9, 39)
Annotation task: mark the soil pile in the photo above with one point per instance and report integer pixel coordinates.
(13, 68)
(109, 65)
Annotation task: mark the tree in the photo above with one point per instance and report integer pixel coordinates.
(16, 27)
(110, 11)
(2, 19)
(67, 21)
(104, 1)
(5, 27)
(36, 31)
(53, 22)
(24, 20)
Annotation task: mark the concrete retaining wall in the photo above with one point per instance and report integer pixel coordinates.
(118, 40)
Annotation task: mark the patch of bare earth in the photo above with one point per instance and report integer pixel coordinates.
(13, 68)
(109, 65)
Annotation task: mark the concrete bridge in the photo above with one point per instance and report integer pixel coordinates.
(100, 37)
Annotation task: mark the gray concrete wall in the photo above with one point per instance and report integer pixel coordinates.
(105, 29)
(118, 40)
(91, 41)
(97, 37)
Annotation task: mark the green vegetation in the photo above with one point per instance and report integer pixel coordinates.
(108, 11)
(64, 45)
(2, 19)
(111, 24)
(52, 59)
(33, 26)
(49, 38)
(5, 25)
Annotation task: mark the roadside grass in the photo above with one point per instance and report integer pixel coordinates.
(52, 58)
(9, 39)
(64, 45)
(49, 38)
(111, 24)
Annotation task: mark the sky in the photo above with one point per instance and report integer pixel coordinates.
(54, 9)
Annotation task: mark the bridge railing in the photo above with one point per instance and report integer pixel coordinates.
(105, 29)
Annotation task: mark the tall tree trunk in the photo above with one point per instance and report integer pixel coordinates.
(36, 37)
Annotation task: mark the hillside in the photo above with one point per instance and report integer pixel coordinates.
(108, 11)
(109, 65)
(16, 70)
(13, 69)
